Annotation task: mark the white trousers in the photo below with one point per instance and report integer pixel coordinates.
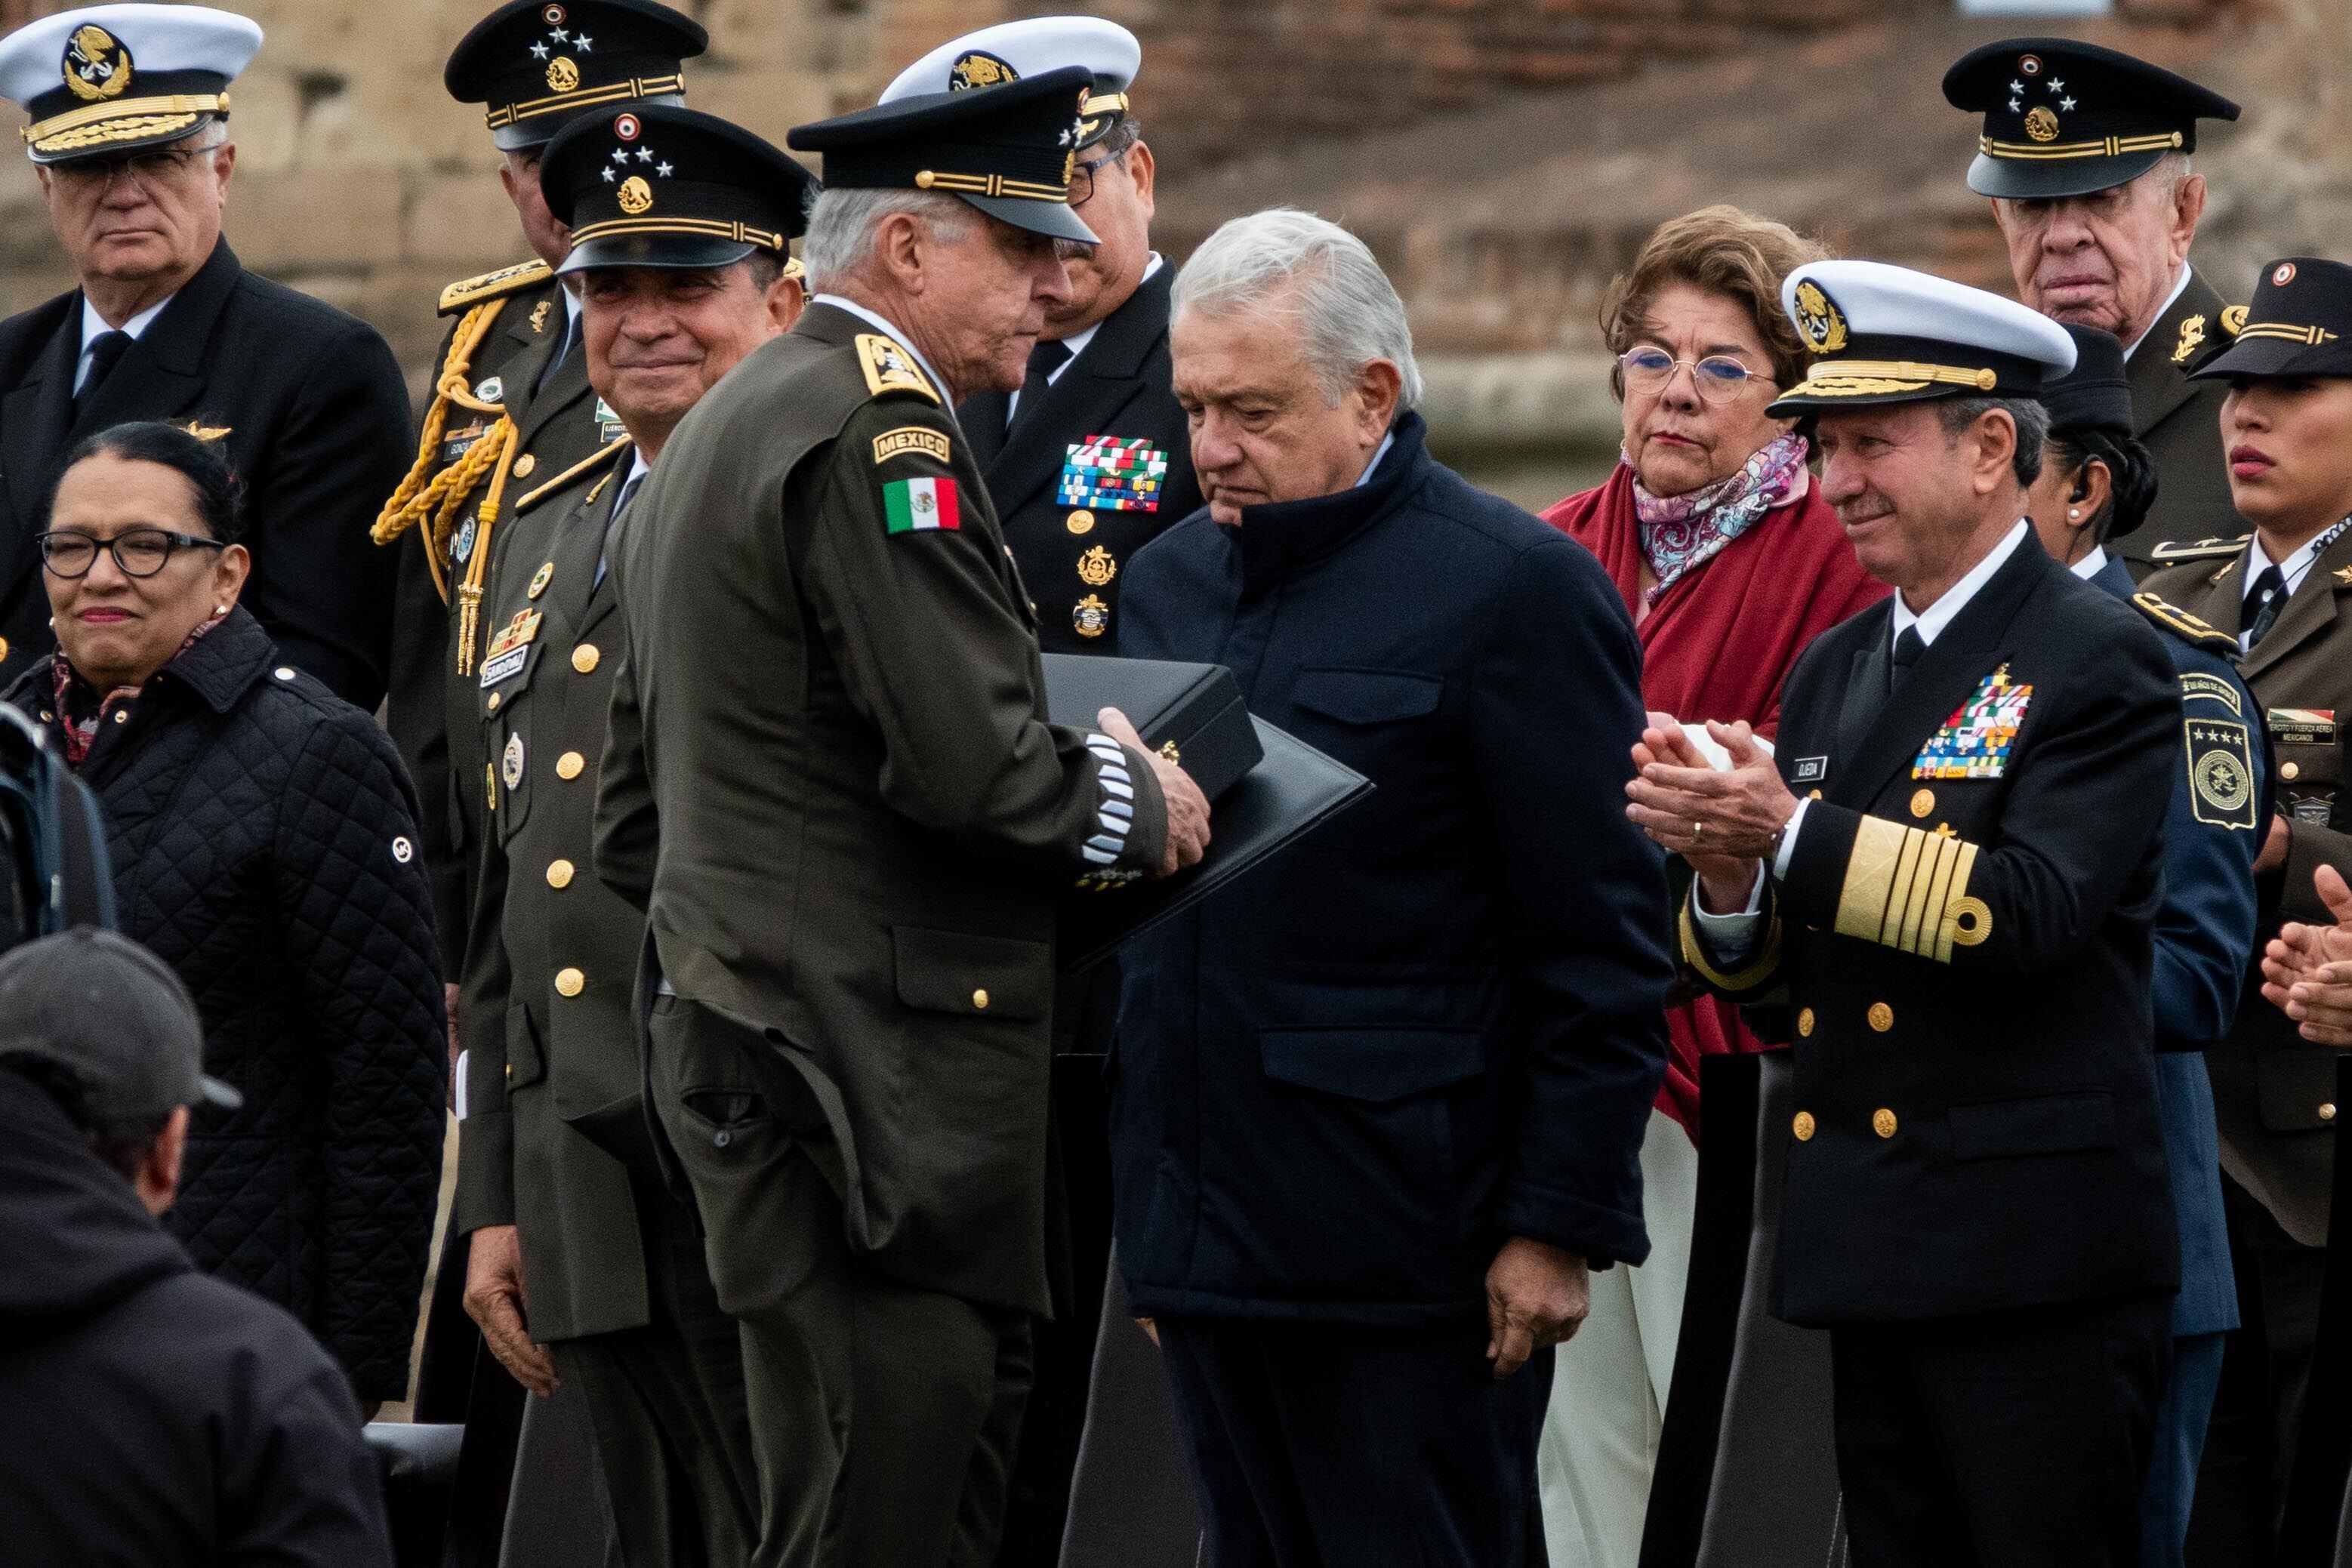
(1609, 1391)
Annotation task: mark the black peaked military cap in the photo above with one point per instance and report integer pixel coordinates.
(2063, 118)
(1009, 152)
(2094, 395)
(662, 186)
(2300, 324)
(538, 64)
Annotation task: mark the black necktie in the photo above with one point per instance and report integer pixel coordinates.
(562, 352)
(2263, 603)
(1908, 646)
(628, 494)
(1048, 356)
(104, 350)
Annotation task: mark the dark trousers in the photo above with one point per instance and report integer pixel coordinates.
(2015, 1440)
(2181, 1422)
(665, 1408)
(2250, 1448)
(1323, 1446)
(882, 1417)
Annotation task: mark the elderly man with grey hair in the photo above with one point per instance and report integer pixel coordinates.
(1376, 1115)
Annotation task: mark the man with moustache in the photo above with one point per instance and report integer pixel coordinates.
(2085, 155)
(831, 782)
(586, 1270)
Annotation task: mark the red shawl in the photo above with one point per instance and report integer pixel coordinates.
(1717, 645)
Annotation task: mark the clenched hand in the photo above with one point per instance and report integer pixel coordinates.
(1188, 809)
(1537, 1296)
(494, 1301)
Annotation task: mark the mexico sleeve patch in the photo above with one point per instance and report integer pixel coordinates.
(918, 505)
(910, 438)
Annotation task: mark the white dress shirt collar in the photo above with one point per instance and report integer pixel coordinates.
(1932, 621)
(93, 324)
(1381, 451)
(2088, 567)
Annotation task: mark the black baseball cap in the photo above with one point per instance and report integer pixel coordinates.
(115, 1017)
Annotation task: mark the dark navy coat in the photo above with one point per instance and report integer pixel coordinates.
(2204, 937)
(1436, 1022)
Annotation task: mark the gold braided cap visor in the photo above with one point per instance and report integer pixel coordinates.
(2106, 147)
(586, 98)
(738, 232)
(126, 120)
(1876, 378)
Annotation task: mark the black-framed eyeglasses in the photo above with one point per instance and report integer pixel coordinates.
(155, 169)
(1718, 377)
(139, 552)
(1082, 177)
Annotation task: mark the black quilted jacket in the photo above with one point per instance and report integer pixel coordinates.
(264, 842)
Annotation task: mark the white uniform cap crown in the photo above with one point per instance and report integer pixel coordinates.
(1011, 50)
(1880, 300)
(159, 38)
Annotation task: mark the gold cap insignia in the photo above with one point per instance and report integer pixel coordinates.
(561, 74)
(2233, 320)
(96, 66)
(1819, 319)
(2192, 336)
(977, 68)
(637, 197)
(1097, 568)
(2041, 124)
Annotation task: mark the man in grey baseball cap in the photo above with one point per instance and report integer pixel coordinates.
(158, 1415)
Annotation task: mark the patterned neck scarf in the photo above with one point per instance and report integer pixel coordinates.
(1679, 533)
(82, 706)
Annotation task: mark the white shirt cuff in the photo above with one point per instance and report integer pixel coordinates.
(1730, 937)
(1788, 848)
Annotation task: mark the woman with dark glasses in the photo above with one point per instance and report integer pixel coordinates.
(264, 844)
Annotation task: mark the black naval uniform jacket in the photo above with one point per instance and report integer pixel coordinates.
(1967, 961)
(1071, 544)
(316, 418)
(431, 709)
(1437, 1021)
(831, 779)
(2180, 421)
(545, 1070)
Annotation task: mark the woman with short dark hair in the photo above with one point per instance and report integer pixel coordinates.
(264, 844)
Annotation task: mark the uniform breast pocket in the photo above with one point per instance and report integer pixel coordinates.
(1364, 715)
(2309, 774)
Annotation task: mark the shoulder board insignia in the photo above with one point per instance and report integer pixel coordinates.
(2198, 549)
(889, 367)
(471, 291)
(2192, 338)
(2183, 625)
(2233, 320)
(909, 438)
(589, 464)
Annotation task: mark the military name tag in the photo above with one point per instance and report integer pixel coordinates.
(609, 427)
(2221, 772)
(1107, 474)
(1810, 769)
(455, 444)
(510, 648)
(2303, 725)
(1974, 742)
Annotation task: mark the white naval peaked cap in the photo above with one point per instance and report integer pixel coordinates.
(1888, 334)
(1011, 50)
(112, 78)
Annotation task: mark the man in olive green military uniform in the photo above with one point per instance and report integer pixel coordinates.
(2285, 592)
(512, 405)
(2085, 153)
(555, 1168)
(831, 780)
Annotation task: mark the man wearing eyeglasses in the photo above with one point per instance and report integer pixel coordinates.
(130, 141)
(1086, 463)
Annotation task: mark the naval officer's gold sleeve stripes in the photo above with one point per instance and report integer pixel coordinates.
(1749, 975)
(1908, 890)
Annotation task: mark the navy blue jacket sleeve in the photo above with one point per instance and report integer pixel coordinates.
(1555, 709)
(2205, 932)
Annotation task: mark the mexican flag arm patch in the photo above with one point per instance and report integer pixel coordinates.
(917, 505)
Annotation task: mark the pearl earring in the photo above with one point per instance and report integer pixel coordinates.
(2074, 511)
(220, 608)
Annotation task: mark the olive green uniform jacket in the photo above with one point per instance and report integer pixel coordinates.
(2275, 1091)
(430, 703)
(2179, 422)
(550, 1036)
(831, 780)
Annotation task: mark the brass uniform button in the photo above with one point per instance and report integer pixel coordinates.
(2290, 771)
(1922, 802)
(1079, 522)
(491, 705)
(1805, 1023)
(559, 874)
(569, 765)
(584, 657)
(524, 464)
(510, 1071)
(1802, 1126)
(980, 1001)
(1882, 1122)
(1882, 1016)
(570, 982)
(1812, 794)
(2327, 1112)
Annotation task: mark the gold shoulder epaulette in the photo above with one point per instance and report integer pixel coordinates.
(589, 464)
(471, 291)
(2198, 549)
(889, 367)
(2182, 624)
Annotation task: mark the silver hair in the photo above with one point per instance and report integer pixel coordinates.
(843, 222)
(2031, 417)
(1286, 262)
